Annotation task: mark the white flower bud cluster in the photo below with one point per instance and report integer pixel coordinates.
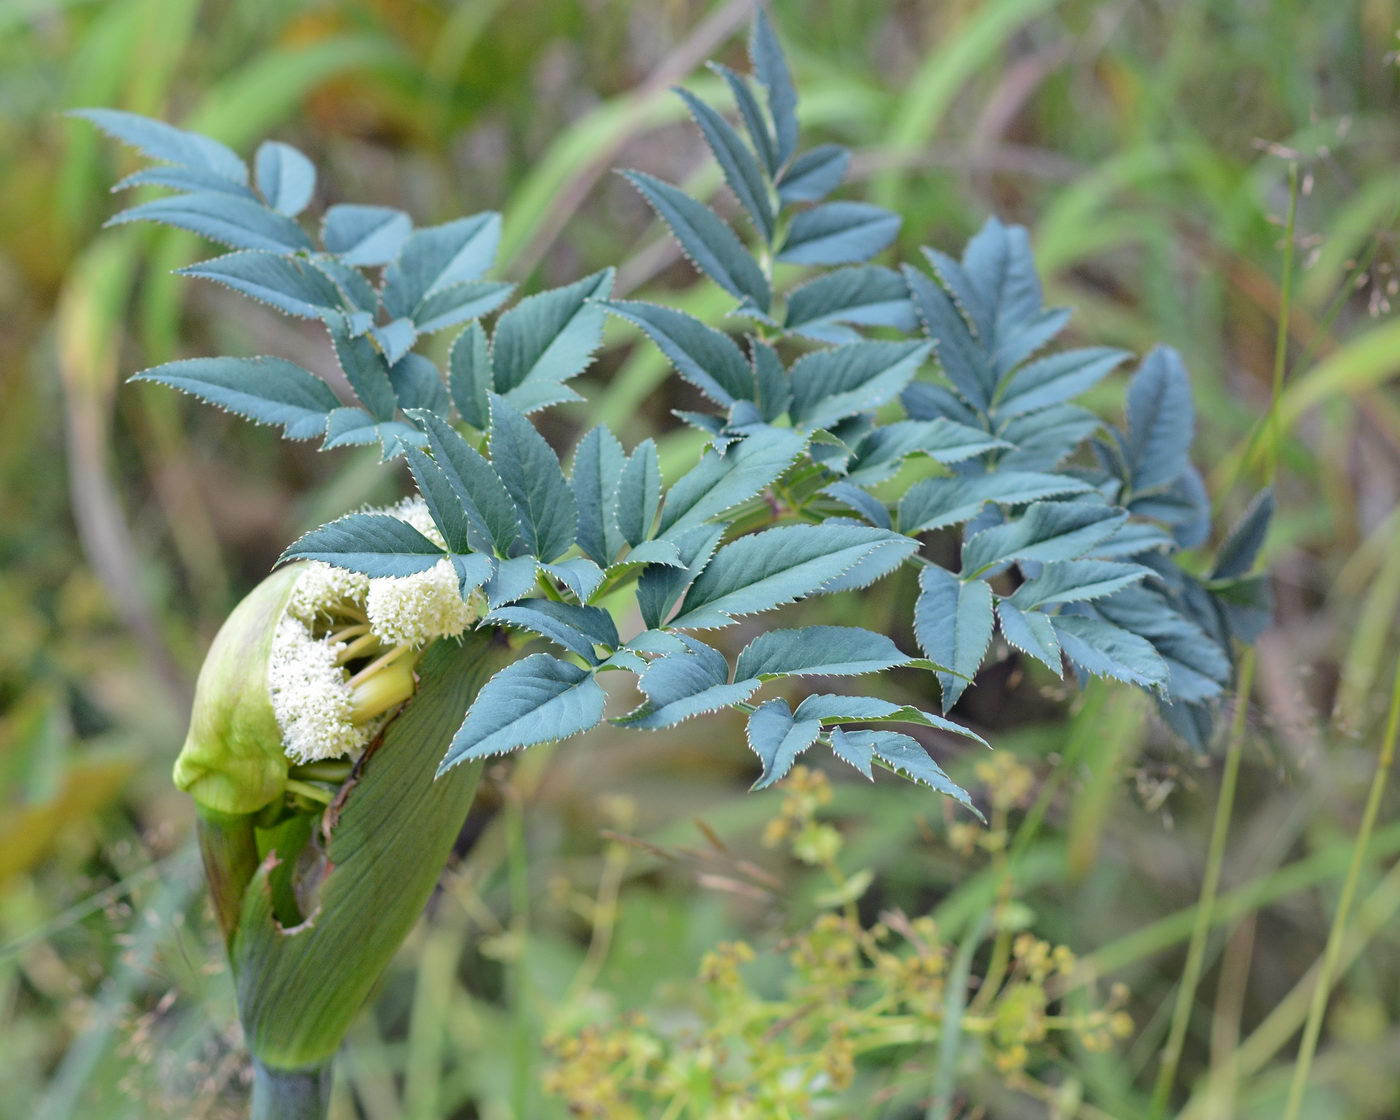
(335, 616)
(413, 610)
(311, 696)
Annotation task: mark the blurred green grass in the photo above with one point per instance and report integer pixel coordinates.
(1147, 147)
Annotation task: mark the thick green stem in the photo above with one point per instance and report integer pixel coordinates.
(291, 1094)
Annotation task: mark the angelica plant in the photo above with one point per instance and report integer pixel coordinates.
(853, 410)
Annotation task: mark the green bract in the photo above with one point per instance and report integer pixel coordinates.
(232, 761)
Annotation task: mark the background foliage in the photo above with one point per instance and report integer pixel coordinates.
(1147, 150)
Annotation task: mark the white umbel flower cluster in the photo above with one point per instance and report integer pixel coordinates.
(413, 610)
(337, 619)
(311, 696)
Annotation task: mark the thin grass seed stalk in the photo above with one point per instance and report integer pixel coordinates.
(852, 415)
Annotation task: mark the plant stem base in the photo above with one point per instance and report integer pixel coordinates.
(291, 1094)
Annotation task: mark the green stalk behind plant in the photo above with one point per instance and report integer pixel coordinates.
(1337, 935)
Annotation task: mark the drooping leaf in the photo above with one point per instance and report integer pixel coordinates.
(1077, 581)
(829, 385)
(771, 69)
(285, 177)
(639, 493)
(953, 625)
(855, 748)
(706, 240)
(661, 586)
(718, 483)
(1106, 650)
(904, 754)
(438, 257)
(532, 475)
(833, 708)
(598, 463)
(577, 629)
(1047, 531)
(168, 143)
(292, 286)
(765, 570)
(1056, 379)
(686, 683)
(709, 359)
(550, 336)
(364, 235)
(934, 503)
(818, 650)
(864, 295)
(814, 174)
(778, 739)
(265, 390)
(1032, 633)
(373, 543)
(1241, 548)
(239, 223)
(741, 170)
(1161, 420)
(488, 505)
(538, 699)
(839, 233)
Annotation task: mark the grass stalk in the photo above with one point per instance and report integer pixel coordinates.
(1205, 909)
(1337, 935)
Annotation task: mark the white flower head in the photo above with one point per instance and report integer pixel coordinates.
(344, 652)
(311, 695)
(412, 610)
